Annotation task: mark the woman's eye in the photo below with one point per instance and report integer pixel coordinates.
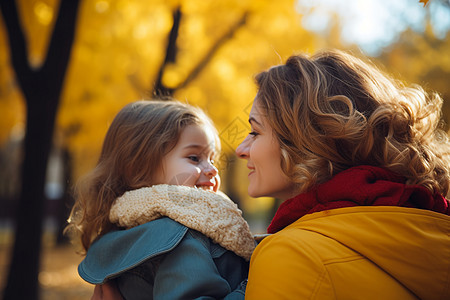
(254, 133)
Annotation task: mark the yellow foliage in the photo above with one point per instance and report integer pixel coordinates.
(120, 46)
(12, 108)
(37, 17)
(422, 59)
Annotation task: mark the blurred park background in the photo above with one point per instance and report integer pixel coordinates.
(67, 67)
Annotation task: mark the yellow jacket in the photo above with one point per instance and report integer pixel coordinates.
(355, 253)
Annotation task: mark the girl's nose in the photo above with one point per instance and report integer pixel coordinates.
(210, 170)
(243, 148)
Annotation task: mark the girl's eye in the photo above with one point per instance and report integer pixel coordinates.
(254, 133)
(194, 158)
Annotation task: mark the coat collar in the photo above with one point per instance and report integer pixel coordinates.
(358, 186)
(213, 214)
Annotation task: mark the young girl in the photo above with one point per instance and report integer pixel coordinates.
(150, 216)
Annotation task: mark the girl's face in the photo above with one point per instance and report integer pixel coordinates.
(190, 162)
(262, 151)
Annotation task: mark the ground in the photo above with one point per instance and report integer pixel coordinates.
(58, 278)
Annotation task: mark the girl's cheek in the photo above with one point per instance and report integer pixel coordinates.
(217, 186)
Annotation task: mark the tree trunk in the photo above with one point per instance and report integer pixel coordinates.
(66, 202)
(42, 89)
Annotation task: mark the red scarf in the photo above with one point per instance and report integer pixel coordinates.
(358, 186)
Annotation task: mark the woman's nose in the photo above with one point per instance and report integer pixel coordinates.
(242, 149)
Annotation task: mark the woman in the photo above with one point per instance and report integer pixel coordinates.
(362, 166)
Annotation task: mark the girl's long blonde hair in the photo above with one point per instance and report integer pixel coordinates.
(332, 111)
(141, 134)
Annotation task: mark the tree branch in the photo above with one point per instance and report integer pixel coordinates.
(16, 38)
(202, 64)
(59, 50)
(171, 51)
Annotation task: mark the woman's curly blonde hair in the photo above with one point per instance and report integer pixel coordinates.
(140, 135)
(333, 111)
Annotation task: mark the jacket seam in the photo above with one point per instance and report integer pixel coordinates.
(363, 257)
(322, 275)
(343, 259)
(319, 283)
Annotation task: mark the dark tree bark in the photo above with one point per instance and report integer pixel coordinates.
(41, 88)
(207, 58)
(160, 90)
(66, 202)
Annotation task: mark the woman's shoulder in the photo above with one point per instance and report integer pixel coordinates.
(120, 250)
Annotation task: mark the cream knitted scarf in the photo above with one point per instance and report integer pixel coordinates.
(212, 214)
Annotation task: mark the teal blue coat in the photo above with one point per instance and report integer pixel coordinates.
(163, 259)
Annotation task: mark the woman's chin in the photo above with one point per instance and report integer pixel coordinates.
(253, 193)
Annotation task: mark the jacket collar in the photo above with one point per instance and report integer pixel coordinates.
(358, 186)
(213, 214)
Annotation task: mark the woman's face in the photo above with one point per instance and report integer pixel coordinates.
(262, 152)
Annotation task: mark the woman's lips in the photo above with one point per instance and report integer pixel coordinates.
(252, 170)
